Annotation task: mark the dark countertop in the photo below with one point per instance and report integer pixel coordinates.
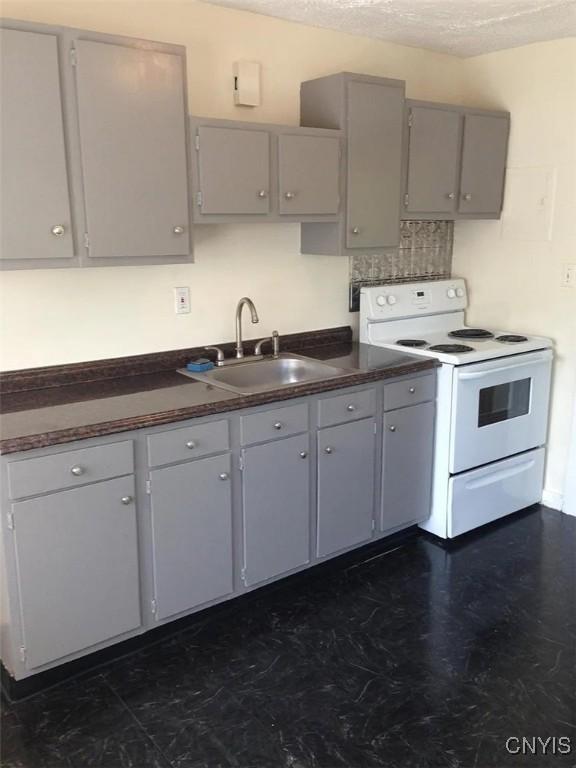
(51, 415)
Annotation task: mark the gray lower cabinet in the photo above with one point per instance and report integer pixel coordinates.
(408, 442)
(191, 508)
(36, 220)
(77, 568)
(346, 474)
(276, 508)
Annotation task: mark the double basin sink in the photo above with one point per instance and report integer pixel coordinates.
(250, 377)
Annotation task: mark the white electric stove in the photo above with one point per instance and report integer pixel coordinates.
(493, 389)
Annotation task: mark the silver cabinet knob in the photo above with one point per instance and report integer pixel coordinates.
(392, 428)
(450, 195)
(278, 425)
(58, 230)
(350, 407)
(467, 196)
(355, 231)
(328, 449)
(289, 195)
(412, 390)
(303, 454)
(178, 230)
(262, 193)
(77, 470)
(224, 475)
(190, 444)
(126, 499)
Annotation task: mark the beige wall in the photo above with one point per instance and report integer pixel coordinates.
(57, 316)
(514, 266)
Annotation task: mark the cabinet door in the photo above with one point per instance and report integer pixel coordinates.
(483, 164)
(433, 156)
(233, 170)
(192, 534)
(77, 555)
(308, 168)
(346, 457)
(375, 115)
(35, 210)
(276, 508)
(132, 115)
(407, 458)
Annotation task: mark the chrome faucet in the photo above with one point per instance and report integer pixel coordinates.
(250, 304)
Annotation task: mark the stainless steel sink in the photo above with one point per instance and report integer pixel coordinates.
(250, 377)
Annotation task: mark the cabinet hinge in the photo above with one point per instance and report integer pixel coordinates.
(153, 607)
(410, 119)
(10, 519)
(375, 428)
(241, 463)
(22, 650)
(243, 576)
(148, 487)
(86, 241)
(406, 200)
(199, 199)
(197, 143)
(373, 525)
(73, 57)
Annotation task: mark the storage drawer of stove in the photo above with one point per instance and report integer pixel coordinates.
(399, 394)
(489, 493)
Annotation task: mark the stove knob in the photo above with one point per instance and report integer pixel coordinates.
(459, 292)
(451, 293)
(391, 300)
(381, 300)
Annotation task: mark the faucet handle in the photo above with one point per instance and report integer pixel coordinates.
(275, 343)
(219, 354)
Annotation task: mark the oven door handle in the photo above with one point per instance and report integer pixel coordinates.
(504, 368)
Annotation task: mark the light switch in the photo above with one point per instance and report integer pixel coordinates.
(182, 300)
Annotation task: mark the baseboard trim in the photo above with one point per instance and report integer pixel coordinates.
(552, 499)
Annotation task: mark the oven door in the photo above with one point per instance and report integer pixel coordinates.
(499, 408)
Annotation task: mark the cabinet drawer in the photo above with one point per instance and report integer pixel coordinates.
(69, 469)
(337, 410)
(188, 443)
(398, 394)
(279, 422)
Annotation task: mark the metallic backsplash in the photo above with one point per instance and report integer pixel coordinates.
(425, 253)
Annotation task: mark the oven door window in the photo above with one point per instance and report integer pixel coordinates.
(503, 402)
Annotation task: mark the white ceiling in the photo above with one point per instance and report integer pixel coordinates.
(459, 27)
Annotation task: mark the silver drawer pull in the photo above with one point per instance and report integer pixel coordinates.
(289, 195)
(224, 475)
(262, 193)
(58, 230)
(350, 407)
(450, 195)
(412, 390)
(77, 470)
(178, 230)
(278, 425)
(328, 449)
(190, 444)
(467, 196)
(392, 428)
(126, 499)
(355, 230)
(303, 454)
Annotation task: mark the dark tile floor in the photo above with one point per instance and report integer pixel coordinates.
(421, 658)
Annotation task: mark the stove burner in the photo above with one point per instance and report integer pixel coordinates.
(510, 338)
(451, 348)
(412, 342)
(471, 333)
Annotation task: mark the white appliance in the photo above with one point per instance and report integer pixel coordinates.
(493, 390)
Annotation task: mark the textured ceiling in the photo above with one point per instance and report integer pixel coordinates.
(459, 27)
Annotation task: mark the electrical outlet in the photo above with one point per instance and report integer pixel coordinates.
(569, 276)
(182, 300)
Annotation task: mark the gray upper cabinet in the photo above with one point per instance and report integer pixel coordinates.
(192, 534)
(78, 579)
(276, 508)
(483, 164)
(132, 115)
(407, 465)
(455, 161)
(36, 220)
(434, 148)
(346, 473)
(370, 111)
(233, 170)
(308, 174)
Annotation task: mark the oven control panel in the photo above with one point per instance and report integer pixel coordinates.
(394, 301)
